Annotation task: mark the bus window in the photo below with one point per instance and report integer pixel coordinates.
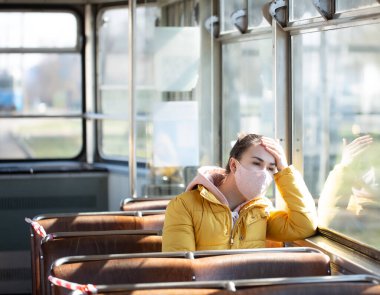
(336, 74)
(40, 86)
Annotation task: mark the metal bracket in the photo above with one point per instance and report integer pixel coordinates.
(240, 20)
(212, 26)
(277, 9)
(326, 8)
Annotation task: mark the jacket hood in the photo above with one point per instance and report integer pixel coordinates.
(210, 177)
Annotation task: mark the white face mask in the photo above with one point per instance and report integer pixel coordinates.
(253, 182)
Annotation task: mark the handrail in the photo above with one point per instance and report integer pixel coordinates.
(187, 255)
(81, 258)
(233, 285)
(207, 253)
(60, 235)
(144, 199)
(121, 213)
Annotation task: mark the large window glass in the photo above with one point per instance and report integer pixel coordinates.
(336, 76)
(248, 104)
(40, 86)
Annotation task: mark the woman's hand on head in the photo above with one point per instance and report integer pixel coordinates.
(276, 150)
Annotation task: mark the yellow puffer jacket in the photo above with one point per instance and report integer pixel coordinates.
(197, 220)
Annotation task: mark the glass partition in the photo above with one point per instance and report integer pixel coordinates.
(167, 102)
(166, 93)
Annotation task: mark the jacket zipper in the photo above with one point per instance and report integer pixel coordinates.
(233, 230)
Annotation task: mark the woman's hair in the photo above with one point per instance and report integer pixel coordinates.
(243, 142)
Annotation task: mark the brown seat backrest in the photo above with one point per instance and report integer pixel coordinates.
(88, 243)
(134, 270)
(154, 222)
(261, 265)
(93, 222)
(144, 204)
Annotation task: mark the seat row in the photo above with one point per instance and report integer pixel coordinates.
(57, 235)
(315, 285)
(121, 252)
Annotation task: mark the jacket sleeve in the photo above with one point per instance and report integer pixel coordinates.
(300, 220)
(178, 232)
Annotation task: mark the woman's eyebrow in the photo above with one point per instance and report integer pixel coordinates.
(261, 160)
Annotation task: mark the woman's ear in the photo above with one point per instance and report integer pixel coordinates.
(232, 164)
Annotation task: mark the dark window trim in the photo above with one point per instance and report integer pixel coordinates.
(350, 243)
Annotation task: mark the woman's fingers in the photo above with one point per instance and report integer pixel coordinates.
(274, 148)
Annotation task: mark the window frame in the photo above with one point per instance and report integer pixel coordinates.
(77, 12)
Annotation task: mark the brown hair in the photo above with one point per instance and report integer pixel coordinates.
(243, 142)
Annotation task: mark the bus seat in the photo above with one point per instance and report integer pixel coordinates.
(94, 221)
(58, 245)
(132, 269)
(151, 203)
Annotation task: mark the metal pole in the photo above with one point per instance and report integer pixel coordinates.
(90, 83)
(131, 82)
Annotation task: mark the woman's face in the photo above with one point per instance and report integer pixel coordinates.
(256, 157)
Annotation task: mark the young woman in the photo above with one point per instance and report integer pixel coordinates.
(227, 209)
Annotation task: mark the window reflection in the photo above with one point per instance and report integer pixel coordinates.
(350, 198)
(336, 75)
